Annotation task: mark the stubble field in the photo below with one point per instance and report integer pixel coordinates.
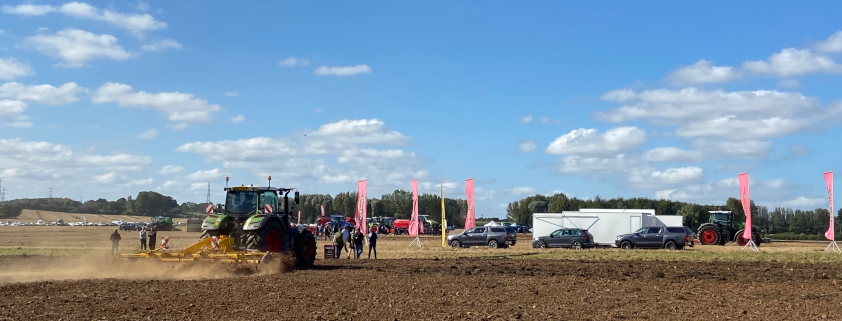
(64, 272)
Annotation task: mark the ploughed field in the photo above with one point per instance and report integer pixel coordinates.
(64, 273)
(448, 289)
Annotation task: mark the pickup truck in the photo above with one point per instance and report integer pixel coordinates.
(665, 237)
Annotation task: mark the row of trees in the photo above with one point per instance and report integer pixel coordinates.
(398, 204)
(145, 204)
(9, 210)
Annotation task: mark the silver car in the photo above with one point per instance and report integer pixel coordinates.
(492, 236)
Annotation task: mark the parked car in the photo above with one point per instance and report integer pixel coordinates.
(523, 229)
(129, 227)
(573, 238)
(492, 236)
(668, 237)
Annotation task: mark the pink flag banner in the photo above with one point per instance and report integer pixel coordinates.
(413, 221)
(323, 210)
(746, 201)
(361, 205)
(470, 216)
(828, 180)
(299, 217)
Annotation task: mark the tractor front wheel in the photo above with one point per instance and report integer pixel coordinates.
(708, 235)
(208, 233)
(741, 241)
(306, 254)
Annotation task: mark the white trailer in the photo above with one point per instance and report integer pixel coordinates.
(604, 226)
(670, 220)
(663, 220)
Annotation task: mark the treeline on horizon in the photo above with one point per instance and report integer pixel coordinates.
(790, 223)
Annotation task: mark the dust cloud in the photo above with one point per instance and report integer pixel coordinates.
(14, 269)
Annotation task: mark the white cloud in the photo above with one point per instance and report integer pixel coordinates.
(148, 134)
(161, 45)
(526, 119)
(647, 178)
(105, 178)
(833, 44)
(372, 131)
(20, 121)
(170, 169)
(11, 68)
(688, 104)
(804, 202)
(237, 119)
(233, 93)
(702, 72)
(793, 62)
(142, 6)
(77, 47)
(593, 165)
(526, 146)
(121, 161)
(139, 182)
(589, 141)
(545, 120)
(11, 108)
(619, 95)
(136, 23)
(732, 127)
(673, 154)
(28, 9)
(752, 149)
(788, 83)
(206, 175)
(521, 190)
(169, 184)
(179, 107)
(292, 61)
(342, 71)
(42, 94)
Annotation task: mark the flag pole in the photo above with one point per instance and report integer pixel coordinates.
(832, 247)
(443, 217)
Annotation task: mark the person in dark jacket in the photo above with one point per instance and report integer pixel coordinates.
(372, 243)
(115, 242)
(359, 237)
(153, 235)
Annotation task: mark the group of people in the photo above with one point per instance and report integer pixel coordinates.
(347, 241)
(145, 235)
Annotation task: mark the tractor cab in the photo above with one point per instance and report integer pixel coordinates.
(245, 201)
(721, 217)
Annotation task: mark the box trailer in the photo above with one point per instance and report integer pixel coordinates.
(604, 226)
(670, 220)
(663, 220)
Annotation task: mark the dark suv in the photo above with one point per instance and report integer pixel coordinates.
(573, 238)
(492, 236)
(666, 237)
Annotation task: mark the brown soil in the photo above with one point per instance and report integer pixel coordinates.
(433, 289)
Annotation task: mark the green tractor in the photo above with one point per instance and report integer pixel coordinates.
(161, 223)
(720, 230)
(258, 219)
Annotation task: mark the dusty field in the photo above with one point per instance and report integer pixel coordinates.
(48, 216)
(72, 278)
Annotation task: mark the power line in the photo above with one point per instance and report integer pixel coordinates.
(51, 194)
(209, 194)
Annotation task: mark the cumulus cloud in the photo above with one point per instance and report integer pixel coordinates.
(139, 182)
(793, 62)
(11, 108)
(42, 94)
(648, 178)
(77, 47)
(170, 169)
(179, 107)
(148, 134)
(833, 44)
(292, 61)
(237, 119)
(206, 175)
(526, 146)
(593, 165)
(342, 71)
(673, 154)
(702, 72)
(232, 93)
(11, 68)
(750, 149)
(526, 119)
(136, 23)
(105, 178)
(161, 45)
(521, 190)
(591, 142)
(804, 202)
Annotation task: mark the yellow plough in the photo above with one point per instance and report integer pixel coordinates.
(205, 251)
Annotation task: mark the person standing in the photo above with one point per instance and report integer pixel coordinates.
(372, 243)
(338, 244)
(115, 242)
(143, 238)
(359, 237)
(346, 237)
(153, 235)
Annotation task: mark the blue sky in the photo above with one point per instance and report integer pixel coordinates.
(106, 99)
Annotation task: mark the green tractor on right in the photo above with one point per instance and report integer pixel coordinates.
(720, 229)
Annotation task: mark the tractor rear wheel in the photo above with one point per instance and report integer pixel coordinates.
(741, 241)
(268, 238)
(305, 254)
(709, 235)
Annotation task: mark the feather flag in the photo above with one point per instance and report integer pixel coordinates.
(413, 221)
(470, 216)
(828, 180)
(746, 201)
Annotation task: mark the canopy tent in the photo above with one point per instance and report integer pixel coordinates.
(492, 223)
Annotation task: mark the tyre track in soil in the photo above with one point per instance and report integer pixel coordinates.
(454, 289)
